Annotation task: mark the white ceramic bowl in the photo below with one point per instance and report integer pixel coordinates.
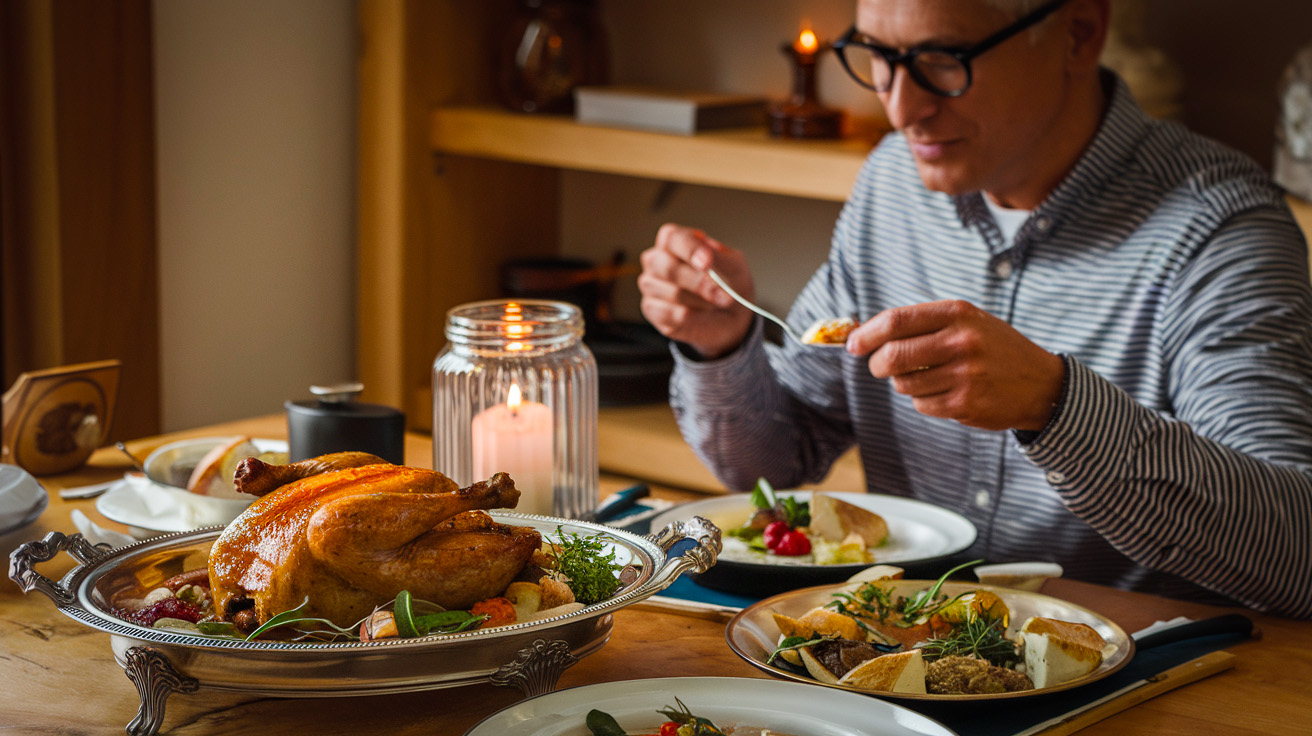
(22, 498)
(163, 492)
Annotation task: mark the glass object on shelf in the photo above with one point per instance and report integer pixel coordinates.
(515, 391)
(551, 47)
(1293, 150)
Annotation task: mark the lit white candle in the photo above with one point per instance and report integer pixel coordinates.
(516, 438)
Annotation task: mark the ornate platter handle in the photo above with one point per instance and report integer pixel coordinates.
(156, 680)
(537, 668)
(698, 558)
(22, 563)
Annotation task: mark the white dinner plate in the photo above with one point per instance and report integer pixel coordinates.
(918, 533)
(788, 707)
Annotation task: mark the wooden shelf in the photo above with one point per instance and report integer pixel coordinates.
(747, 159)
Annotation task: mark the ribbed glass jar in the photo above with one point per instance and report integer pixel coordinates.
(515, 391)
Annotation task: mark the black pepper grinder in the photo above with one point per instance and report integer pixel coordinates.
(336, 422)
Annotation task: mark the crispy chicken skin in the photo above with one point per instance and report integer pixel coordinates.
(350, 540)
(258, 478)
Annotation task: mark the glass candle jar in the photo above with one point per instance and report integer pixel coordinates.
(515, 391)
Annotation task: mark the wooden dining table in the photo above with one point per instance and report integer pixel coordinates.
(60, 676)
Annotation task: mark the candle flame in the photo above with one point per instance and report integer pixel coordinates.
(513, 399)
(807, 42)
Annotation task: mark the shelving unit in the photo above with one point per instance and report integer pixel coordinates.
(746, 159)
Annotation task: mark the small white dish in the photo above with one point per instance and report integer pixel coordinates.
(1019, 575)
(22, 498)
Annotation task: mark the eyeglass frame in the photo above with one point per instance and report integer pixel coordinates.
(963, 56)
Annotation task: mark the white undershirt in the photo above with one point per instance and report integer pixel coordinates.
(1009, 220)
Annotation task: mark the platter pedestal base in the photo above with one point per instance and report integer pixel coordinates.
(156, 680)
(537, 668)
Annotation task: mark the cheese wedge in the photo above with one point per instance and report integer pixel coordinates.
(900, 672)
(1059, 651)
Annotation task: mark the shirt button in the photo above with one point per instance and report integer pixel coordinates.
(1003, 269)
(1055, 478)
(982, 499)
(1043, 223)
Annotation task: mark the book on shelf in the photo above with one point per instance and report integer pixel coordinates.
(666, 111)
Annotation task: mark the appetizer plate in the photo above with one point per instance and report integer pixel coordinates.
(783, 707)
(919, 533)
(752, 633)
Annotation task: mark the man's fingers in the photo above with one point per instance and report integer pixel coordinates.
(900, 323)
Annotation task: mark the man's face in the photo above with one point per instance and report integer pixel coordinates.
(993, 136)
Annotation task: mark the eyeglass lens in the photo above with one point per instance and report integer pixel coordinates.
(935, 69)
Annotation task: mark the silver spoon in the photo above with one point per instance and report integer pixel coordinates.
(787, 328)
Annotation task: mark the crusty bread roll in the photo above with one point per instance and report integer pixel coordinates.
(819, 621)
(1059, 651)
(834, 519)
(900, 672)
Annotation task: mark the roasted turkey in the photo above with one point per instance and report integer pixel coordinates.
(347, 532)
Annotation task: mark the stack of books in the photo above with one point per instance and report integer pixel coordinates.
(665, 111)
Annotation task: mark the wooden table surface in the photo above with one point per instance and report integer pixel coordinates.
(60, 677)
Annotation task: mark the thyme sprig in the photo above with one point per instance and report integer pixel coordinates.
(585, 565)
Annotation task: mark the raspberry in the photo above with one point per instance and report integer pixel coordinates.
(167, 608)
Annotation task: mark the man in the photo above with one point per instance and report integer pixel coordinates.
(1088, 331)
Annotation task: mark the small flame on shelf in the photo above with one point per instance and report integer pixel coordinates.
(806, 42)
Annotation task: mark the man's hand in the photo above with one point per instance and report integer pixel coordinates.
(959, 362)
(681, 301)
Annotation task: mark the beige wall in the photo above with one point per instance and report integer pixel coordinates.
(255, 113)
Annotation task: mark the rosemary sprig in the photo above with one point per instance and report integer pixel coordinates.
(975, 637)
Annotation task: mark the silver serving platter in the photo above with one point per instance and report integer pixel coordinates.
(529, 656)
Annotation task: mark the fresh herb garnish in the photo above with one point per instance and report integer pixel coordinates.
(601, 723)
(795, 642)
(788, 509)
(585, 565)
(975, 637)
(684, 717)
(410, 624)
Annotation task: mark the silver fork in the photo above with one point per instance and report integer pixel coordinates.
(787, 328)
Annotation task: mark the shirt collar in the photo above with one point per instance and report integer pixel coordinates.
(1119, 135)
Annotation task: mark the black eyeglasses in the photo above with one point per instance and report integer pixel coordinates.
(942, 70)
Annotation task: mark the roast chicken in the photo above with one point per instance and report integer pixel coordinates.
(348, 532)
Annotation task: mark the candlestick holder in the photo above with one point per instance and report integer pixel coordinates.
(515, 391)
(802, 115)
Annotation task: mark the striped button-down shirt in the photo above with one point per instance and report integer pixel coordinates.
(1168, 273)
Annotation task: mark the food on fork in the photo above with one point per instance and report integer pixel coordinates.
(829, 331)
